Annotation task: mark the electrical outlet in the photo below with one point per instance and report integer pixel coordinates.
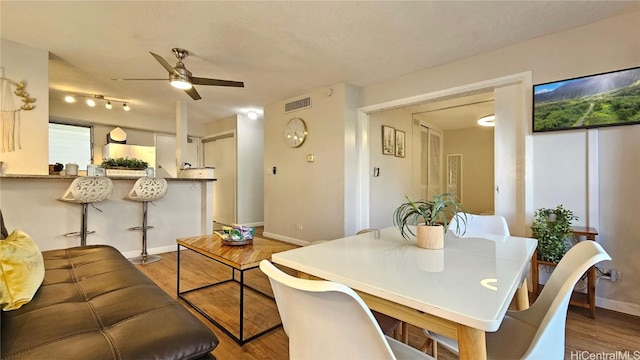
(299, 227)
(616, 275)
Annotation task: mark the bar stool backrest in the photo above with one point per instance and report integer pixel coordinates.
(88, 189)
(148, 189)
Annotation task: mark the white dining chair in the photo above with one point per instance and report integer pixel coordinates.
(478, 225)
(328, 320)
(539, 331)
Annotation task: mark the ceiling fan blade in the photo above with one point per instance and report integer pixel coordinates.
(193, 93)
(215, 82)
(165, 64)
(121, 79)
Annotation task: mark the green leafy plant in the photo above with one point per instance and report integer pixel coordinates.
(430, 212)
(129, 163)
(552, 227)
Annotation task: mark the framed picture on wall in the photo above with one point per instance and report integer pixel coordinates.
(400, 147)
(606, 99)
(388, 140)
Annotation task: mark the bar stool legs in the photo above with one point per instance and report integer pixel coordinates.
(146, 189)
(86, 190)
(144, 258)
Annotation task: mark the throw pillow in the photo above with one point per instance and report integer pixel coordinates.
(21, 270)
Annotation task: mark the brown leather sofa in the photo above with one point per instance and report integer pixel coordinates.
(95, 304)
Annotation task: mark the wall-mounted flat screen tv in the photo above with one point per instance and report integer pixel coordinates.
(606, 99)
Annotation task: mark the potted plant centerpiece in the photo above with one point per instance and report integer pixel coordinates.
(552, 227)
(430, 218)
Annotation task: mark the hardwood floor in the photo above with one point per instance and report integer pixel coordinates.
(608, 333)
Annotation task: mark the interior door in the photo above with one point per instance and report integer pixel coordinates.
(220, 153)
(431, 164)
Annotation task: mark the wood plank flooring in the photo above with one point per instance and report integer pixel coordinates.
(609, 332)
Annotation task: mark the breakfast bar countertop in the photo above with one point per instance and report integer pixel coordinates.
(62, 177)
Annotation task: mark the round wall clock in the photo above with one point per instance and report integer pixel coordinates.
(295, 132)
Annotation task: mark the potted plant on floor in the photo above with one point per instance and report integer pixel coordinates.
(552, 228)
(430, 218)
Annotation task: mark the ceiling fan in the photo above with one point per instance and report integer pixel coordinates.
(180, 77)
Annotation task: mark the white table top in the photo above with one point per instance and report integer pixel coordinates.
(471, 281)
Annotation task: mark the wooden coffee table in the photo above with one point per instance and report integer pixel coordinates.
(239, 259)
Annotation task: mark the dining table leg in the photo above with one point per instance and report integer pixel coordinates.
(522, 296)
(472, 343)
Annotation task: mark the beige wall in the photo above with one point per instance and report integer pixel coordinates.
(29, 65)
(395, 180)
(308, 193)
(476, 146)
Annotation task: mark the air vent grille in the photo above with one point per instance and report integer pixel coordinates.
(297, 105)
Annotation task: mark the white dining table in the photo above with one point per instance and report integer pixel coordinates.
(461, 291)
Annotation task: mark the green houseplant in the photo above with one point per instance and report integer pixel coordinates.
(552, 227)
(124, 163)
(430, 218)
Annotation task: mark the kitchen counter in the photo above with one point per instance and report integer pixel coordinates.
(29, 203)
(58, 177)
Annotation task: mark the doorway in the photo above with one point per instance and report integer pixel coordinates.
(512, 153)
(220, 153)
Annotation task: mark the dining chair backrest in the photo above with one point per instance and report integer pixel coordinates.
(325, 320)
(478, 225)
(548, 313)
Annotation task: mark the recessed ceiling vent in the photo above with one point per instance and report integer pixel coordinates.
(297, 105)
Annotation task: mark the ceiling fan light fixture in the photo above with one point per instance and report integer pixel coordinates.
(180, 83)
(487, 120)
(125, 107)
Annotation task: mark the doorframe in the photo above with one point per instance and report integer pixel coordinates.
(524, 178)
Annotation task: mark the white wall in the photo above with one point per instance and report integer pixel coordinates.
(250, 170)
(29, 65)
(561, 162)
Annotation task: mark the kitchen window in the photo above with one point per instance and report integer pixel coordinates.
(70, 144)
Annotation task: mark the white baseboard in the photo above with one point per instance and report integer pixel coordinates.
(254, 224)
(286, 239)
(619, 306)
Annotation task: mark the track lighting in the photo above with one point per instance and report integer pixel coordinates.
(92, 101)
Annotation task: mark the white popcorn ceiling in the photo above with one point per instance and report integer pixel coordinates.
(279, 49)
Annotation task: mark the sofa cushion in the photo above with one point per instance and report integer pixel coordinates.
(21, 270)
(95, 304)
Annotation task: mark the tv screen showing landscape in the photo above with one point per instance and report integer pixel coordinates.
(607, 99)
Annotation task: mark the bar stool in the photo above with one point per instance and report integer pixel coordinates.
(145, 190)
(87, 190)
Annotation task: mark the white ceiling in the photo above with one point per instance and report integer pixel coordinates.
(279, 49)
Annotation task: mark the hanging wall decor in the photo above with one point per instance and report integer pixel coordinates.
(10, 112)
